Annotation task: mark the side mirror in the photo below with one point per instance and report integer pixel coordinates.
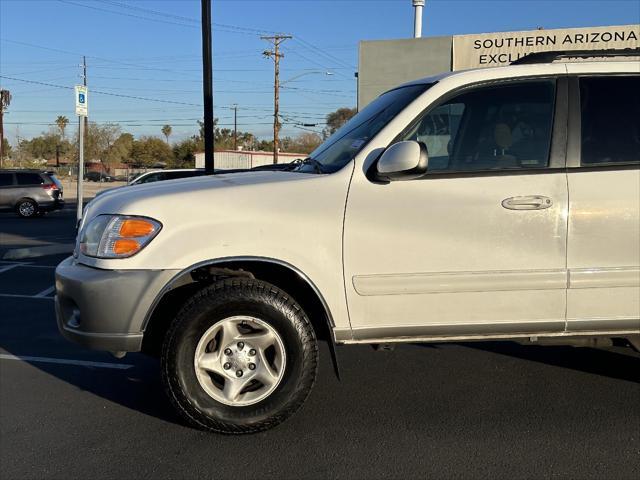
(402, 161)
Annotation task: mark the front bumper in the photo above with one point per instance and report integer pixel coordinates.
(106, 309)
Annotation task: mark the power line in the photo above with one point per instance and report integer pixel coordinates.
(177, 20)
(321, 51)
(103, 93)
(103, 59)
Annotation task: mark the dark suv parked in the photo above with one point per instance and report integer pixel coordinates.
(30, 192)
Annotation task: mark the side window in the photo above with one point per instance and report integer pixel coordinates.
(29, 179)
(154, 177)
(610, 120)
(6, 179)
(175, 175)
(490, 128)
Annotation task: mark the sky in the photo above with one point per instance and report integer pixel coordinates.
(151, 50)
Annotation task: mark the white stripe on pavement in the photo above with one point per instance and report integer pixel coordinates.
(8, 267)
(46, 292)
(23, 265)
(14, 295)
(65, 361)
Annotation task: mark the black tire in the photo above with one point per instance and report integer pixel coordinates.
(26, 208)
(239, 296)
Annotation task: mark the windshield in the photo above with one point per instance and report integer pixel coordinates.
(345, 143)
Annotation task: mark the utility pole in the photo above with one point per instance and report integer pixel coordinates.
(5, 100)
(235, 126)
(207, 84)
(275, 54)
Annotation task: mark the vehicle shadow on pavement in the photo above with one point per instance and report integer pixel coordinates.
(598, 361)
(138, 388)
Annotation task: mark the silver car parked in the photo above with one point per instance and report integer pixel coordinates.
(30, 193)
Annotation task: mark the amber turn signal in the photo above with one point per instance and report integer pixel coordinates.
(136, 227)
(125, 246)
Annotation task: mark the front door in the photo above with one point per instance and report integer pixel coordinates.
(478, 245)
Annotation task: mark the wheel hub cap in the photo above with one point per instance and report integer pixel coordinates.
(240, 360)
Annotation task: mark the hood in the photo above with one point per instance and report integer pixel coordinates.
(148, 199)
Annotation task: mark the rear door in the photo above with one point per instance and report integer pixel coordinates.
(604, 203)
(6, 189)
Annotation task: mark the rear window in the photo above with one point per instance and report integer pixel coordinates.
(55, 180)
(29, 179)
(6, 179)
(610, 109)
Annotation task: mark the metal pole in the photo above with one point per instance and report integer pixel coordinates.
(235, 126)
(1, 132)
(80, 166)
(84, 77)
(207, 80)
(276, 103)
(417, 19)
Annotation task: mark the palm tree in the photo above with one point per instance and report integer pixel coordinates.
(166, 131)
(62, 123)
(5, 100)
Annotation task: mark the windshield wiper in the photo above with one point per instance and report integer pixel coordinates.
(317, 166)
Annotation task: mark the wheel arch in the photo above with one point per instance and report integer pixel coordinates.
(277, 272)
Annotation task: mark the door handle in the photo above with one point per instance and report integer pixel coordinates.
(528, 202)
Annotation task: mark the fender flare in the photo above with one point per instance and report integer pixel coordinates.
(267, 260)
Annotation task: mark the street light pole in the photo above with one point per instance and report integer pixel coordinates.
(418, 5)
(207, 81)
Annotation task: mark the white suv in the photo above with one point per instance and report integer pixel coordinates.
(498, 203)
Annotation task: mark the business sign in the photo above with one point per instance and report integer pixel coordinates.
(498, 49)
(82, 101)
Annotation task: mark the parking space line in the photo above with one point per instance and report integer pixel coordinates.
(66, 361)
(14, 295)
(8, 267)
(46, 291)
(4, 263)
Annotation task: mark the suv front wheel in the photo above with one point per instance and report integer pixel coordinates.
(240, 357)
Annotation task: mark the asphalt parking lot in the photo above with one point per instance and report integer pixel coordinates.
(483, 410)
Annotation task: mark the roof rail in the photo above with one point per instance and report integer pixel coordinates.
(548, 57)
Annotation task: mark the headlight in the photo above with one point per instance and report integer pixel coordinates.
(117, 236)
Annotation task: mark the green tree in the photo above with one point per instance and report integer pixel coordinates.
(120, 151)
(45, 147)
(150, 151)
(62, 123)
(166, 131)
(223, 137)
(184, 153)
(338, 118)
